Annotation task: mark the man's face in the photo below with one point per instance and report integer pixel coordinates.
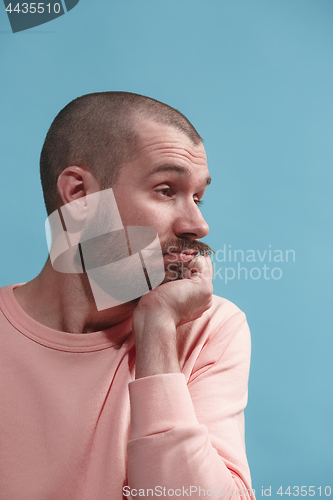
(162, 188)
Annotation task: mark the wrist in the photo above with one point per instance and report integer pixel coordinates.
(151, 317)
(156, 349)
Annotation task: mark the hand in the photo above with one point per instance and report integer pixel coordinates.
(183, 300)
(158, 313)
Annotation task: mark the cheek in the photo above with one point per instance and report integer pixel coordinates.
(137, 209)
(136, 212)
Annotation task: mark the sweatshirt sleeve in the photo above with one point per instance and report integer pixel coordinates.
(187, 438)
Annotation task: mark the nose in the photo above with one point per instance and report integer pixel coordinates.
(190, 224)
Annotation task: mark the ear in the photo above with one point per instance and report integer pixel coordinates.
(74, 184)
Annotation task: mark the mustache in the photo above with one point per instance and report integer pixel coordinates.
(180, 245)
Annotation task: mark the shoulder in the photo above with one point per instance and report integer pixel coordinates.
(224, 316)
(224, 308)
(7, 297)
(221, 332)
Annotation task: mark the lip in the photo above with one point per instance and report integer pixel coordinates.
(184, 256)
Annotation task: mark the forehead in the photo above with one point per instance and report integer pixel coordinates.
(154, 136)
(162, 147)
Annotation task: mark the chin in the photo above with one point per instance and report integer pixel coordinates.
(175, 271)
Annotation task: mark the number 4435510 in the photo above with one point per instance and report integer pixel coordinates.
(33, 8)
(305, 491)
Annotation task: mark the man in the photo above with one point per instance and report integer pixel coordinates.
(145, 398)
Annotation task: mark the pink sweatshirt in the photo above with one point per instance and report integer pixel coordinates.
(75, 425)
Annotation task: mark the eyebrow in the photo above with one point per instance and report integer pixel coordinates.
(180, 169)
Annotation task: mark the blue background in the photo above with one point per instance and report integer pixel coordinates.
(256, 79)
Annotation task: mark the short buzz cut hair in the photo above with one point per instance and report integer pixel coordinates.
(97, 132)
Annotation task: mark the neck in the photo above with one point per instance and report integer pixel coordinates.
(64, 302)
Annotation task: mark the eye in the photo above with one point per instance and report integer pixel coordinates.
(165, 191)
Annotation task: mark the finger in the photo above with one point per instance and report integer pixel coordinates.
(201, 266)
(200, 263)
(197, 264)
(196, 268)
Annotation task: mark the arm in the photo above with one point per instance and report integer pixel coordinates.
(186, 437)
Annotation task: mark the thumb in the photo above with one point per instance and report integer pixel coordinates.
(197, 267)
(201, 268)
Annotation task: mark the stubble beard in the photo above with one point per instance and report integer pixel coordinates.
(175, 270)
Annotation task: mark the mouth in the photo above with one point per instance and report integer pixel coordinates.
(180, 256)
